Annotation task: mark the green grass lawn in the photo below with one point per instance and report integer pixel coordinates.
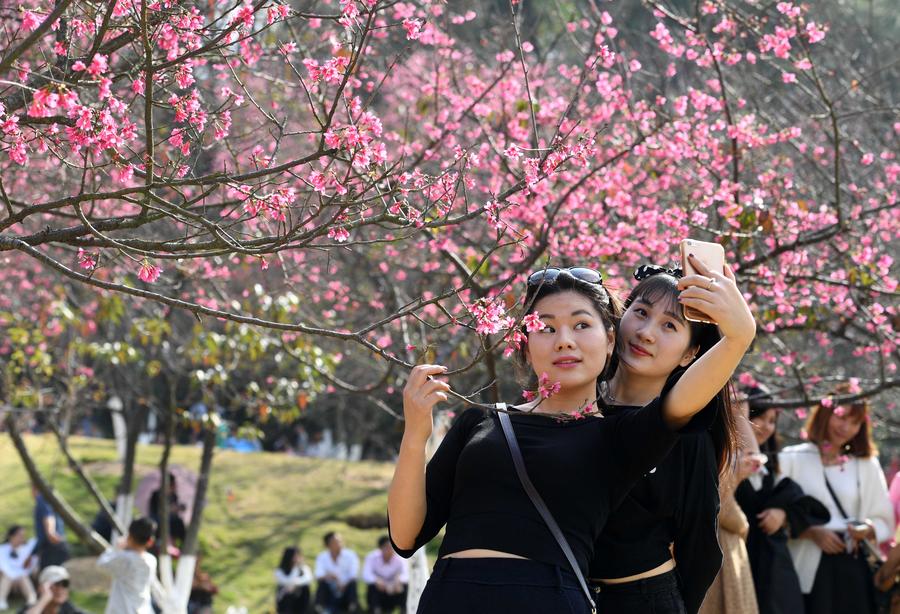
(257, 505)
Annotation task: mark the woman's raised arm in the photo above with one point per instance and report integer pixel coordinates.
(716, 295)
(406, 496)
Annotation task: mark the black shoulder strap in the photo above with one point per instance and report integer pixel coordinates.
(834, 498)
(506, 423)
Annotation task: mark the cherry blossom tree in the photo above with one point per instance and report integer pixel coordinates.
(366, 183)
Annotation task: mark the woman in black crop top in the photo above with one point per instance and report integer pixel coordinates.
(497, 554)
(659, 550)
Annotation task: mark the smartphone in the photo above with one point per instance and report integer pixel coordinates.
(713, 256)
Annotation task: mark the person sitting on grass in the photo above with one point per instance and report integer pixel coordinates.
(17, 563)
(132, 569)
(336, 571)
(386, 577)
(54, 595)
(293, 578)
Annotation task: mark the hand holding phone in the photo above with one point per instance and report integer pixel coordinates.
(716, 297)
(712, 255)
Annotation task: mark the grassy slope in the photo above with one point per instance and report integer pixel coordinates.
(257, 505)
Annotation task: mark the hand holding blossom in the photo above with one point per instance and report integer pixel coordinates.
(421, 393)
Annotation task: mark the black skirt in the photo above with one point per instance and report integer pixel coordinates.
(843, 585)
(495, 585)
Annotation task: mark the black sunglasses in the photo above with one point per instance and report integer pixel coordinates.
(548, 276)
(62, 583)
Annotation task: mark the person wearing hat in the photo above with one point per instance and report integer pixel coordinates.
(54, 593)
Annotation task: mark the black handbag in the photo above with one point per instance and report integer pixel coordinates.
(519, 463)
(871, 560)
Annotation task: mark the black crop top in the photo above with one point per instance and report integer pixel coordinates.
(677, 502)
(582, 469)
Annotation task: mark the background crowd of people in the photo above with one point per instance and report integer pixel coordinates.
(803, 527)
(35, 573)
(337, 571)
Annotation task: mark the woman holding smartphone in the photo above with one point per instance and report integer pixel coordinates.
(659, 550)
(839, 467)
(497, 554)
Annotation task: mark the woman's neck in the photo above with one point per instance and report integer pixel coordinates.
(829, 452)
(629, 388)
(568, 402)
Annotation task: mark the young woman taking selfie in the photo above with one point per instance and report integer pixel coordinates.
(659, 550)
(498, 555)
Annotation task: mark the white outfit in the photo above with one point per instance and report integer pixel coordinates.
(299, 576)
(132, 572)
(14, 572)
(859, 485)
(345, 569)
(374, 568)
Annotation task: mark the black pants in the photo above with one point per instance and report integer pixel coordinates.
(496, 586)
(656, 595)
(843, 585)
(382, 603)
(295, 601)
(52, 554)
(332, 602)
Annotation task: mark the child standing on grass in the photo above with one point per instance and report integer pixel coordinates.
(132, 569)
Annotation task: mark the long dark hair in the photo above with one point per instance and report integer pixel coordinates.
(287, 559)
(755, 395)
(662, 288)
(605, 302)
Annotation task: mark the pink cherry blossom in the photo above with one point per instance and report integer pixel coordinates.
(149, 272)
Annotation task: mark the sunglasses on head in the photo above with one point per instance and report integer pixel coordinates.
(548, 276)
(62, 584)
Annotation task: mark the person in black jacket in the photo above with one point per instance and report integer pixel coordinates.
(776, 510)
(659, 551)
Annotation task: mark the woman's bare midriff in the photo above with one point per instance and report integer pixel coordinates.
(650, 573)
(480, 553)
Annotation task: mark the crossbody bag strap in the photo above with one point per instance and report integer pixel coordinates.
(834, 498)
(519, 463)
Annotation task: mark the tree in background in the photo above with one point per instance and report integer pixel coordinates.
(276, 196)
